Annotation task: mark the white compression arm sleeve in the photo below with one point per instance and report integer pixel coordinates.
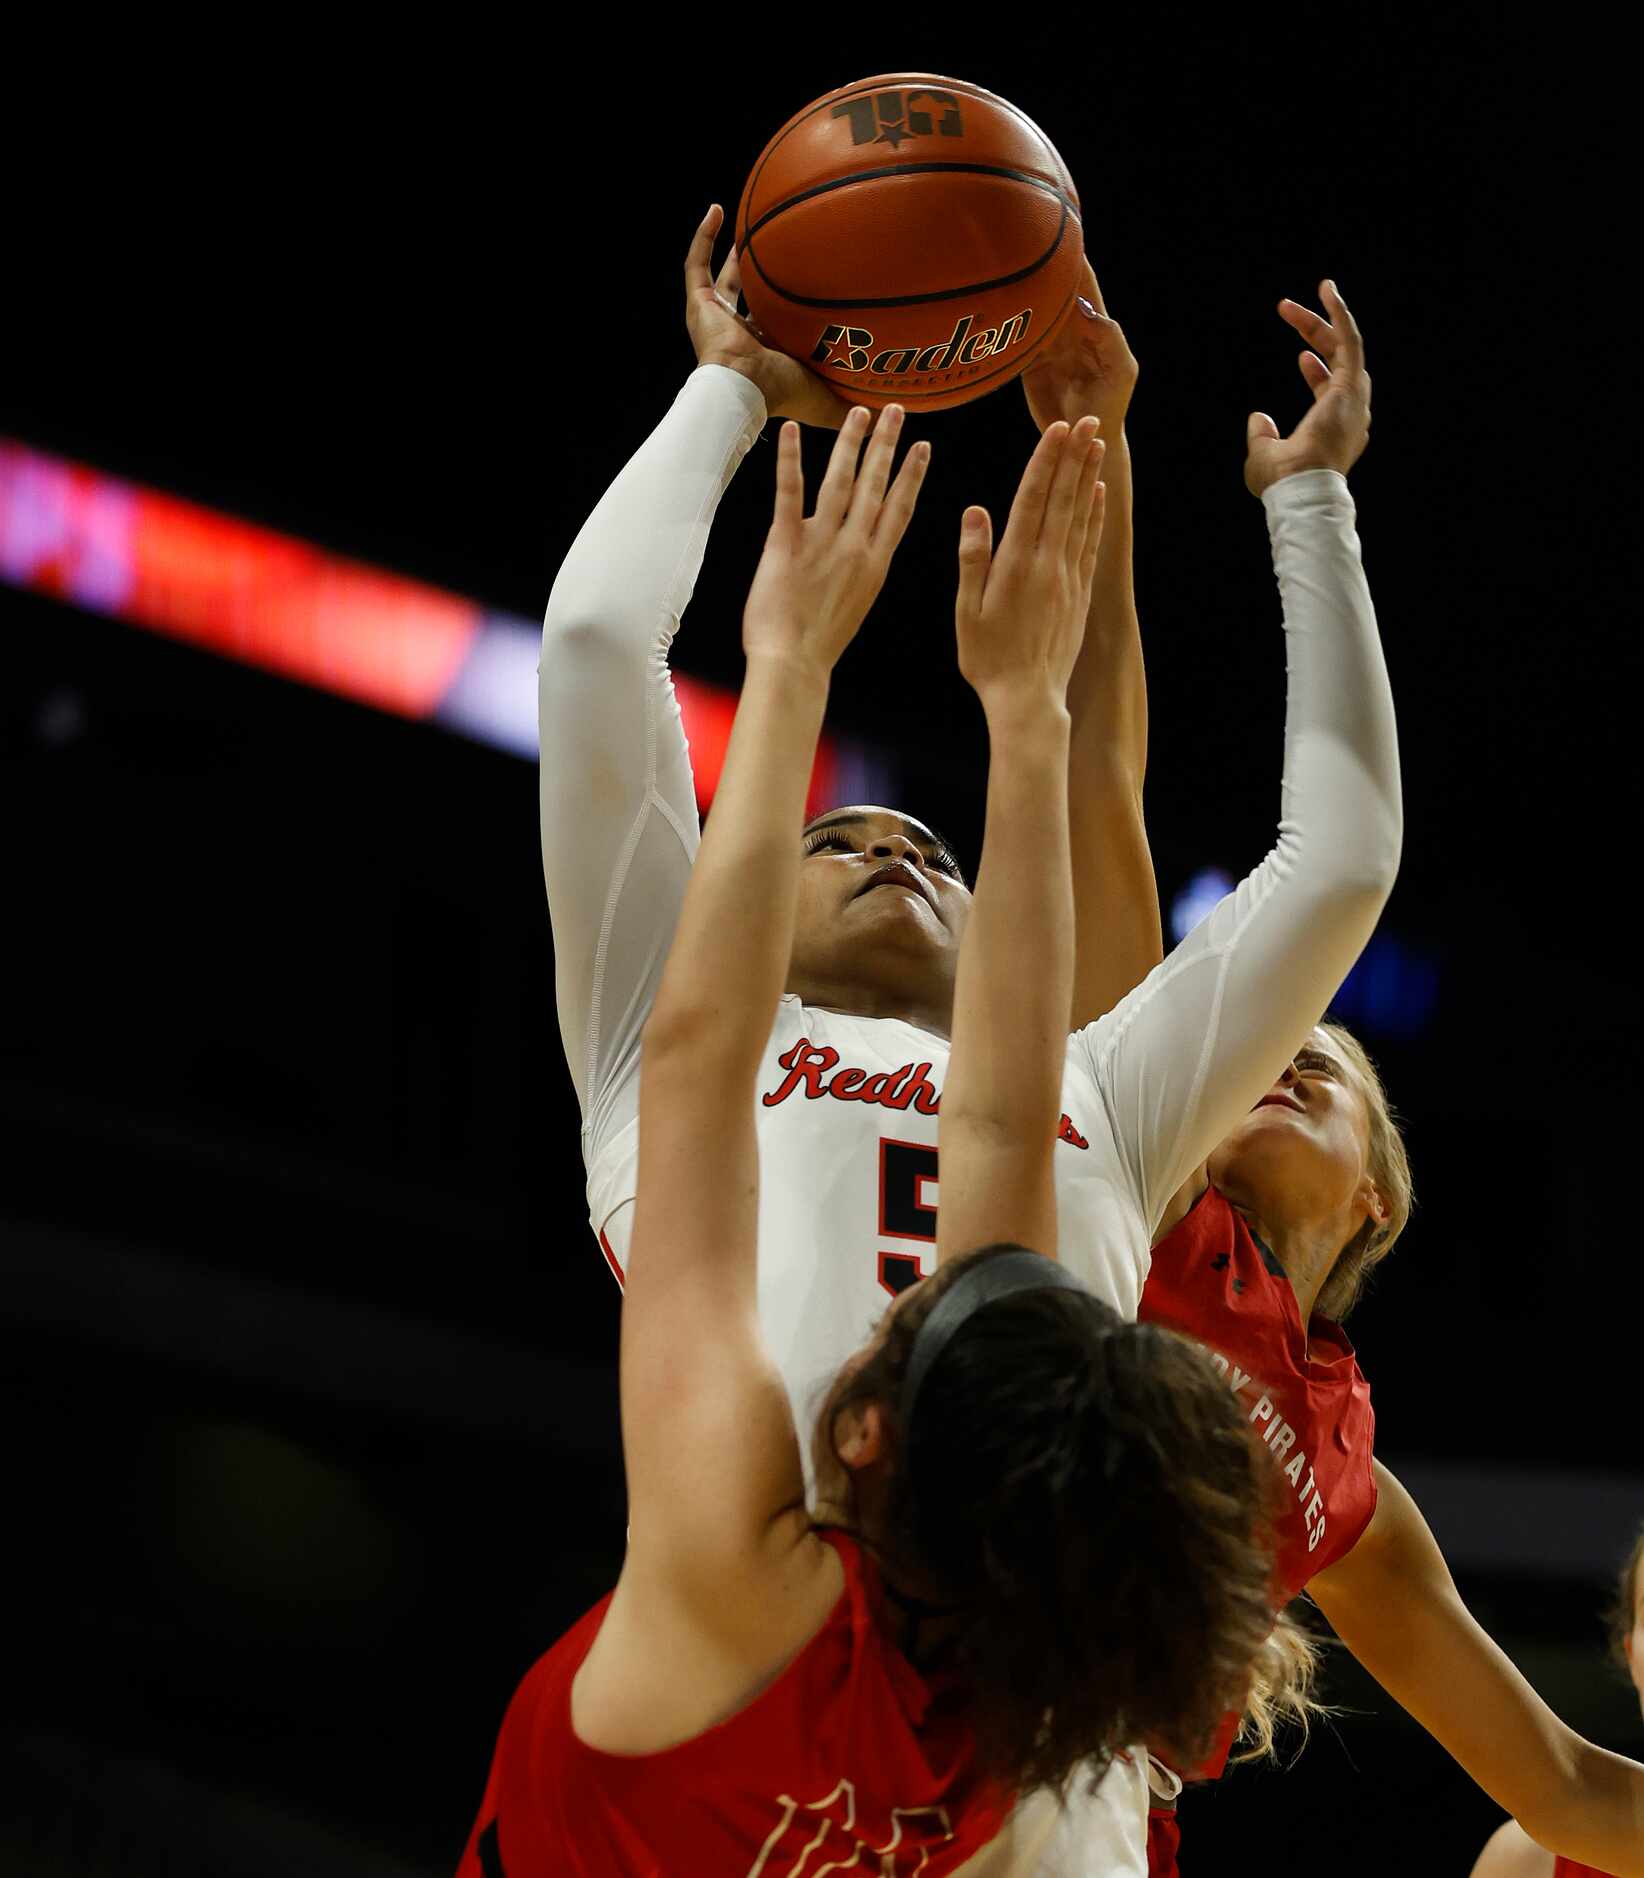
(619, 821)
(1194, 1046)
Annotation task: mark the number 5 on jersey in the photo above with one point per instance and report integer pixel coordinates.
(908, 1195)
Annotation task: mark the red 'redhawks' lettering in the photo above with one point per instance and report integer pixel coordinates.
(814, 1069)
(811, 1067)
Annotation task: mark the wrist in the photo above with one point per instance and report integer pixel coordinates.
(788, 669)
(1311, 467)
(1297, 480)
(1026, 707)
(751, 369)
(1113, 554)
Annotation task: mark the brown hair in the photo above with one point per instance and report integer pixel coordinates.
(1086, 1494)
(1389, 1168)
(1623, 1612)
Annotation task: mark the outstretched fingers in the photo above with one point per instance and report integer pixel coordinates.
(1069, 498)
(1343, 322)
(1337, 340)
(897, 511)
(1315, 372)
(1095, 515)
(874, 475)
(1086, 533)
(833, 499)
(1027, 512)
(975, 558)
(790, 479)
(728, 285)
(699, 273)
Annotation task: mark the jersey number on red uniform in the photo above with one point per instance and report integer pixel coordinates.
(830, 1827)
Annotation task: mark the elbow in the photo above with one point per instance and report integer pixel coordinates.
(674, 1032)
(1562, 1802)
(1372, 868)
(699, 1043)
(1359, 863)
(600, 604)
(590, 652)
(571, 630)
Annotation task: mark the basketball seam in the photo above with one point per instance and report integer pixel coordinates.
(917, 299)
(906, 169)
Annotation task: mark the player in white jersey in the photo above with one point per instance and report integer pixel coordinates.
(853, 1070)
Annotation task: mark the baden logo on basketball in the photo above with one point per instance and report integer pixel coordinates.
(850, 349)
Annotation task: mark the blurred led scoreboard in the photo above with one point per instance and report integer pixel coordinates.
(267, 599)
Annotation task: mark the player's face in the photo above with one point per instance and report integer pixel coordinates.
(881, 904)
(1303, 1152)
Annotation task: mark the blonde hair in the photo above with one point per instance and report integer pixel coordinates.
(1281, 1694)
(1389, 1168)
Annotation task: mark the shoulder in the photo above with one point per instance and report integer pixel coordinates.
(1510, 1852)
(671, 1661)
(1395, 1558)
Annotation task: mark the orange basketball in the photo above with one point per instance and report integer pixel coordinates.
(911, 239)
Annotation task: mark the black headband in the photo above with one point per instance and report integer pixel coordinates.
(987, 1280)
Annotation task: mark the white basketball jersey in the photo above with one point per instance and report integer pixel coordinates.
(849, 1185)
(846, 1105)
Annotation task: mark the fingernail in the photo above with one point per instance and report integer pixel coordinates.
(1087, 309)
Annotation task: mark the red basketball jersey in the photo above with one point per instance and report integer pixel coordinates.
(1304, 1392)
(850, 1758)
(1572, 1868)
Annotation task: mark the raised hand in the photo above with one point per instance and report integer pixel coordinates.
(819, 575)
(1333, 434)
(722, 336)
(1021, 611)
(1088, 368)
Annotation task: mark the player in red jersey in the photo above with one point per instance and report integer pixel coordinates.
(1263, 1250)
(763, 1694)
(1511, 1852)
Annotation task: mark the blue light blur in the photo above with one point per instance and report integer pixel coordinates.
(1197, 898)
(1392, 991)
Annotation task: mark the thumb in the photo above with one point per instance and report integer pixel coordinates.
(975, 557)
(1260, 428)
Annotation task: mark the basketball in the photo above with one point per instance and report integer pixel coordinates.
(910, 239)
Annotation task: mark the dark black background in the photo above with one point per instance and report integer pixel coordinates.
(310, 1361)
